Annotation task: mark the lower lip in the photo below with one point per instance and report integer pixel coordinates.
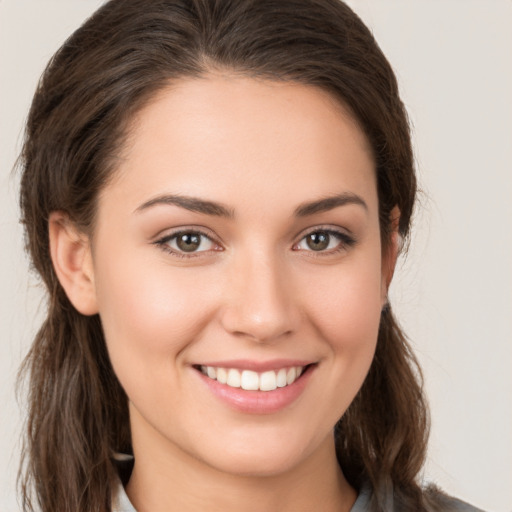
(258, 402)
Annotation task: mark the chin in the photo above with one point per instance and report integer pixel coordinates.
(263, 465)
(274, 456)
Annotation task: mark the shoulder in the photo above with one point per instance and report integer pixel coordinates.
(437, 502)
(445, 503)
(393, 501)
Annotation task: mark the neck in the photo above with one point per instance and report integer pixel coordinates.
(172, 480)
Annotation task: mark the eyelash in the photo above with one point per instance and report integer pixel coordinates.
(163, 243)
(345, 242)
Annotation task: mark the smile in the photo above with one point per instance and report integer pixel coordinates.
(250, 380)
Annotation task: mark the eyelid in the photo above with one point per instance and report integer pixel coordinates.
(346, 240)
(345, 236)
(329, 228)
(162, 239)
(187, 228)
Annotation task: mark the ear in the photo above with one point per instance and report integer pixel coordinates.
(391, 253)
(72, 260)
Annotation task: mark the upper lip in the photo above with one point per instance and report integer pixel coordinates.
(257, 366)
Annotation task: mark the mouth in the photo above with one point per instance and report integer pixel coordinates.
(250, 380)
(256, 387)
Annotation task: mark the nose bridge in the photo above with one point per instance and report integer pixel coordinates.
(260, 304)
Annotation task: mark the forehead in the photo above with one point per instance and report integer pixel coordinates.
(229, 137)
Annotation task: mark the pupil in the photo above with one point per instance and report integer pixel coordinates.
(318, 241)
(188, 242)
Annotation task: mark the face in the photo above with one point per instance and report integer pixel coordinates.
(238, 272)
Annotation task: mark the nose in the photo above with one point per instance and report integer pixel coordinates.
(260, 304)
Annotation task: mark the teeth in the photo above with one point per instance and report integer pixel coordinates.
(222, 375)
(268, 381)
(234, 378)
(253, 381)
(281, 378)
(250, 381)
(291, 375)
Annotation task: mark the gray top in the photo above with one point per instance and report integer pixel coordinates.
(123, 504)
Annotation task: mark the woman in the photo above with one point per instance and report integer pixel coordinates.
(225, 187)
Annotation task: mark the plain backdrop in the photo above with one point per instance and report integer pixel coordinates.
(453, 292)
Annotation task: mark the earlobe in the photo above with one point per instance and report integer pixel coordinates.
(72, 260)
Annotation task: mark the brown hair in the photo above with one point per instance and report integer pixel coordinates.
(103, 74)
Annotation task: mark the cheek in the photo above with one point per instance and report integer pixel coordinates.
(345, 305)
(150, 312)
(346, 312)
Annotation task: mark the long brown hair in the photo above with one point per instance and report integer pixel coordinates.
(103, 74)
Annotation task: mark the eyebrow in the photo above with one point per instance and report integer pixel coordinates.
(195, 204)
(329, 203)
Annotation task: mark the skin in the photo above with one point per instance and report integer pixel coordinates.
(255, 290)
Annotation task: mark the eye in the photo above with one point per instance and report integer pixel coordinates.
(187, 242)
(324, 240)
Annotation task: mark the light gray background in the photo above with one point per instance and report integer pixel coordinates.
(453, 59)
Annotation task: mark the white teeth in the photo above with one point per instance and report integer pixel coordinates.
(250, 381)
(291, 375)
(281, 378)
(268, 381)
(222, 375)
(233, 378)
(253, 381)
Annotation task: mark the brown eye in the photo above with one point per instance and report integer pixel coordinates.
(326, 241)
(188, 242)
(318, 241)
